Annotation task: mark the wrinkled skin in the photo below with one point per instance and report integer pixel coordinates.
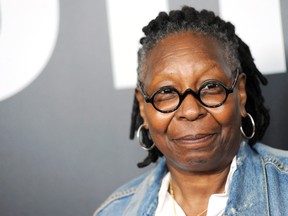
(194, 138)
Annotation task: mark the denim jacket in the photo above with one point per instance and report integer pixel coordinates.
(259, 186)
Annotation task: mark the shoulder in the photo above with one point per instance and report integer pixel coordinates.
(120, 198)
(134, 190)
(271, 156)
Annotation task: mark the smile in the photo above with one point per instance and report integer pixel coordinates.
(194, 139)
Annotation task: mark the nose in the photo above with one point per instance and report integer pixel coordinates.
(190, 108)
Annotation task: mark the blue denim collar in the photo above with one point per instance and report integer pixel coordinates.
(249, 185)
(147, 202)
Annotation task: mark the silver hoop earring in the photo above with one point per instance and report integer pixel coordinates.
(141, 137)
(253, 128)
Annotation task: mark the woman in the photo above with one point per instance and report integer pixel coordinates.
(199, 113)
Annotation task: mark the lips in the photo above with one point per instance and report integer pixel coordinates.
(193, 139)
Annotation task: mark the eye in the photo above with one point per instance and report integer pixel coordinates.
(166, 94)
(167, 90)
(212, 88)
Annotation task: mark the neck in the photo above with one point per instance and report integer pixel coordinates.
(193, 190)
(203, 183)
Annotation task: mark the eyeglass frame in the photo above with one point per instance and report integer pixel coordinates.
(182, 96)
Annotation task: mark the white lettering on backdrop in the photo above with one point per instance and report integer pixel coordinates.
(259, 24)
(28, 33)
(125, 21)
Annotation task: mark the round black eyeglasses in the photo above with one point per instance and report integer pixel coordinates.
(211, 94)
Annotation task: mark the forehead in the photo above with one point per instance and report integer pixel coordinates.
(182, 52)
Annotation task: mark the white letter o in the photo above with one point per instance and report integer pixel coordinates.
(28, 33)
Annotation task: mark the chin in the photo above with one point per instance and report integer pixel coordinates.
(199, 164)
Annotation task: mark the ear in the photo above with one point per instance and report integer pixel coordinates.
(141, 102)
(242, 93)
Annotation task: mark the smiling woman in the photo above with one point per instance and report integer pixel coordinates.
(193, 137)
(197, 87)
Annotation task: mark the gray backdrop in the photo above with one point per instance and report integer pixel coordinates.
(64, 143)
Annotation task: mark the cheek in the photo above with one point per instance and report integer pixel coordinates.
(228, 117)
(158, 122)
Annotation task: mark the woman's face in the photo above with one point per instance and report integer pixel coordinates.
(193, 138)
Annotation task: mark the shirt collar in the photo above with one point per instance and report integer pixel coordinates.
(217, 202)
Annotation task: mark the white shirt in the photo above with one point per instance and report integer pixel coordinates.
(216, 204)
